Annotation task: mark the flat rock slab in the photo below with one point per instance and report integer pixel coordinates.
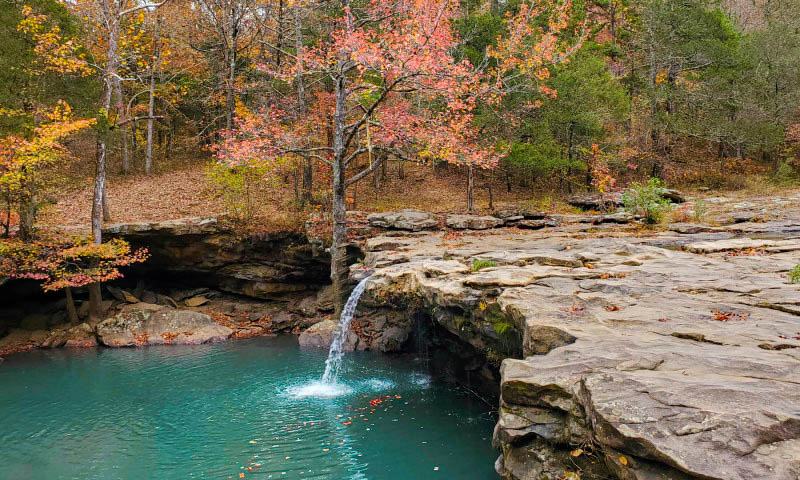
(157, 327)
(473, 222)
(684, 365)
(743, 244)
(413, 220)
(536, 224)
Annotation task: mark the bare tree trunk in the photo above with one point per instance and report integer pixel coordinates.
(27, 217)
(120, 110)
(148, 154)
(279, 46)
(376, 175)
(71, 312)
(106, 210)
(338, 247)
(111, 11)
(231, 96)
(308, 171)
(491, 192)
(126, 158)
(470, 188)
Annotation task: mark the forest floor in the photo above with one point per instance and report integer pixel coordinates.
(186, 191)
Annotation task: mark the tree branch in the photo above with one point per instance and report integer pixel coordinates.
(140, 7)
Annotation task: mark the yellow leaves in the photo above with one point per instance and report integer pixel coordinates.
(54, 53)
(577, 452)
(623, 461)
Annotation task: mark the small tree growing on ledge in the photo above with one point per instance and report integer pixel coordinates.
(378, 57)
(67, 263)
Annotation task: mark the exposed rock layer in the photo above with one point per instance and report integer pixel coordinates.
(636, 361)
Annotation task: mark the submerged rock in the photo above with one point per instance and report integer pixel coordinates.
(160, 326)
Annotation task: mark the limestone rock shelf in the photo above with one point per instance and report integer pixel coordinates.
(635, 361)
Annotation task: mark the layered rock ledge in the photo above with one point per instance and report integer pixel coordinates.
(664, 356)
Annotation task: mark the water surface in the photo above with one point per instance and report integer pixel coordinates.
(232, 409)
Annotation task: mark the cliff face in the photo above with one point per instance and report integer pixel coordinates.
(268, 266)
(620, 359)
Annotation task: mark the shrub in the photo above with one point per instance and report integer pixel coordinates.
(785, 174)
(794, 274)
(479, 264)
(700, 209)
(647, 200)
(237, 187)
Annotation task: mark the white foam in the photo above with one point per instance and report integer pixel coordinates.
(318, 389)
(421, 380)
(378, 384)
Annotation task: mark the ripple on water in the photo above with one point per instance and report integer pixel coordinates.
(254, 407)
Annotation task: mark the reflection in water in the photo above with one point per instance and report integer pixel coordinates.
(244, 407)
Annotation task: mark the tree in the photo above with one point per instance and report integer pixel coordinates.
(26, 165)
(41, 62)
(64, 263)
(109, 17)
(229, 31)
(375, 56)
(557, 136)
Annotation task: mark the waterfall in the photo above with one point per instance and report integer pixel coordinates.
(334, 361)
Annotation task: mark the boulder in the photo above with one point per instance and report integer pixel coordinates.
(156, 327)
(595, 201)
(472, 222)
(690, 228)
(81, 335)
(319, 335)
(122, 295)
(536, 224)
(324, 299)
(392, 339)
(286, 322)
(746, 216)
(141, 306)
(195, 301)
(262, 281)
(19, 340)
(673, 195)
(412, 220)
(619, 217)
(149, 297)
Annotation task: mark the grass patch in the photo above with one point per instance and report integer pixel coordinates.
(480, 264)
(794, 274)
